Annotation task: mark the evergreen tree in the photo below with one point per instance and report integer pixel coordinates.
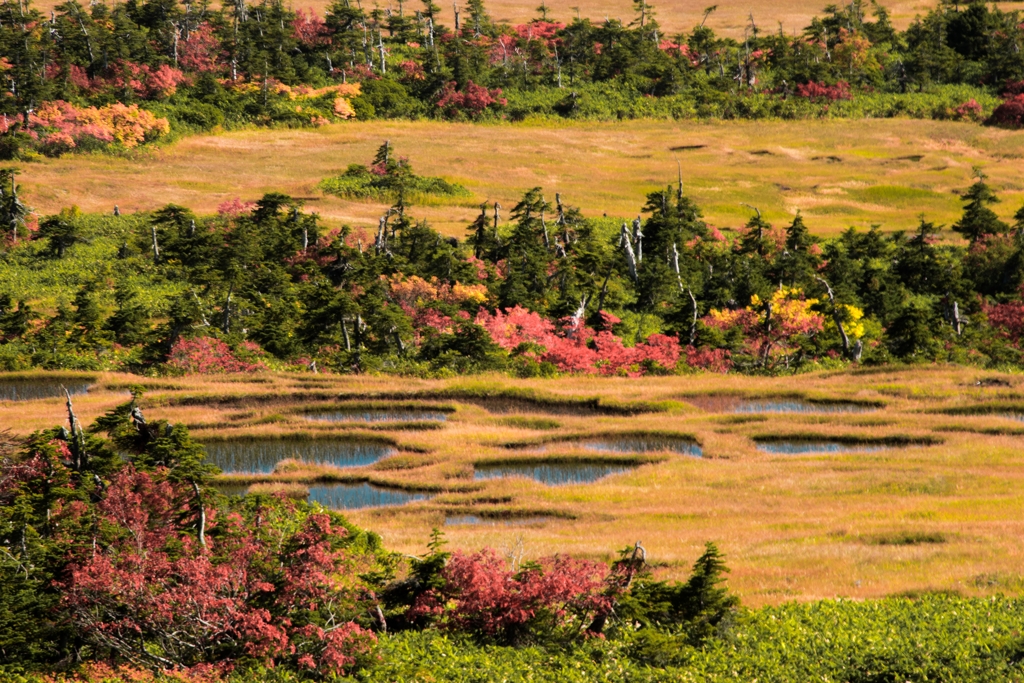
(978, 219)
(527, 256)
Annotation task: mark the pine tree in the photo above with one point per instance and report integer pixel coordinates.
(527, 256)
(978, 219)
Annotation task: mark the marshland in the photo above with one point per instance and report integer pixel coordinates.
(930, 453)
(598, 342)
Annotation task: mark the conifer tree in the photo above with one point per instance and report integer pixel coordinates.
(978, 219)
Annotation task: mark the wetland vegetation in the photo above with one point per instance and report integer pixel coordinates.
(243, 392)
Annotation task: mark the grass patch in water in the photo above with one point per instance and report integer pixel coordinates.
(901, 538)
(537, 423)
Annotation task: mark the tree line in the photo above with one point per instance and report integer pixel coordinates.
(538, 290)
(201, 66)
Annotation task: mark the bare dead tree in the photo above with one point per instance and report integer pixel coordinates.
(638, 239)
(627, 246)
(851, 351)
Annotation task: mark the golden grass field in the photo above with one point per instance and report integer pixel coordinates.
(793, 526)
(839, 173)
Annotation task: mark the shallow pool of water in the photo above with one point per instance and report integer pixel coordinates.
(357, 496)
(18, 390)
(736, 404)
(553, 474)
(231, 489)
(798, 447)
(261, 456)
(377, 415)
(473, 520)
(644, 444)
(504, 406)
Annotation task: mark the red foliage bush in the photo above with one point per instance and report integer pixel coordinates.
(470, 102)
(1008, 319)
(309, 29)
(201, 50)
(207, 355)
(250, 596)
(576, 347)
(821, 91)
(481, 594)
(713, 360)
(1009, 114)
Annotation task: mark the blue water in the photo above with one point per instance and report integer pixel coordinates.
(642, 444)
(357, 496)
(553, 474)
(368, 415)
(25, 390)
(797, 406)
(261, 456)
(798, 447)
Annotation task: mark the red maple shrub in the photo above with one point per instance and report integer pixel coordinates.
(821, 91)
(469, 102)
(576, 347)
(209, 355)
(1009, 114)
(481, 594)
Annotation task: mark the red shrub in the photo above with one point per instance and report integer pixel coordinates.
(207, 355)
(200, 51)
(821, 91)
(576, 347)
(151, 582)
(1009, 114)
(309, 29)
(470, 102)
(482, 595)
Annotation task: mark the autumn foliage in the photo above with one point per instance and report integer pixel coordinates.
(574, 347)
(208, 355)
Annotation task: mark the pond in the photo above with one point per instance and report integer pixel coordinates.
(737, 404)
(357, 496)
(504, 406)
(376, 415)
(644, 444)
(551, 473)
(473, 520)
(28, 390)
(253, 456)
(796, 447)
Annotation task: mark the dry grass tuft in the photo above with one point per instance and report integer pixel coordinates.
(279, 488)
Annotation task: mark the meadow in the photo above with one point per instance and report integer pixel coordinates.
(927, 498)
(838, 173)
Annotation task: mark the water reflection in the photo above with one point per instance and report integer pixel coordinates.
(377, 415)
(261, 456)
(797, 447)
(28, 390)
(554, 474)
(357, 496)
(644, 444)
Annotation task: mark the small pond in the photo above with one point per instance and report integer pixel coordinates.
(231, 489)
(504, 406)
(377, 415)
(261, 456)
(27, 390)
(553, 474)
(736, 404)
(643, 444)
(473, 520)
(796, 447)
(357, 496)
